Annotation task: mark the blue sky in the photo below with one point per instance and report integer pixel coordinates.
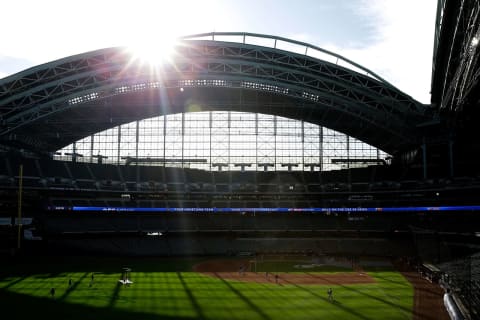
(393, 38)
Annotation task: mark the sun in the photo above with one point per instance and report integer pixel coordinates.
(154, 51)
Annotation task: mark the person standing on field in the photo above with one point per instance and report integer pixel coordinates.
(330, 294)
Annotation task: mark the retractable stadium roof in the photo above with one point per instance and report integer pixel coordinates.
(54, 104)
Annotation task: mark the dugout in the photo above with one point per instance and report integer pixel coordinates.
(431, 272)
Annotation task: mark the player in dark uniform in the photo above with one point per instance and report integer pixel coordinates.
(330, 294)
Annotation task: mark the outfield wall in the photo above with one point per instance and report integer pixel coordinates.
(195, 244)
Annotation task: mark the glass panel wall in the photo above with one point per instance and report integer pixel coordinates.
(224, 140)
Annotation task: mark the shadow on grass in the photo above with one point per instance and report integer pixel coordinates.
(399, 283)
(250, 304)
(11, 284)
(190, 295)
(20, 307)
(334, 302)
(114, 296)
(412, 280)
(370, 296)
(73, 287)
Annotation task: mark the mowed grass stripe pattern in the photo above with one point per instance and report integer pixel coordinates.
(190, 295)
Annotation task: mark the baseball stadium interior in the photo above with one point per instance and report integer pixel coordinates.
(248, 144)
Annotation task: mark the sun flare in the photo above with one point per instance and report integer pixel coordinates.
(154, 51)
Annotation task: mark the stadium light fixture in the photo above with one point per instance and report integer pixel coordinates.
(154, 234)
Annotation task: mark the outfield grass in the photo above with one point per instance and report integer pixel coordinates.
(167, 289)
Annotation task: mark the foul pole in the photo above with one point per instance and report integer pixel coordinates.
(20, 185)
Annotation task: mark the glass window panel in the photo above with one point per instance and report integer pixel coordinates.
(203, 138)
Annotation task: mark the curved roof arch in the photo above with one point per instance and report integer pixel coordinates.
(54, 104)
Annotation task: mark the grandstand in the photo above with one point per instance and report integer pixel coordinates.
(247, 143)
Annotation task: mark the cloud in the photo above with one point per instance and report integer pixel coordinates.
(10, 65)
(401, 49)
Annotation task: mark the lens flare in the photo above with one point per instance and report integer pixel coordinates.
(154, 52)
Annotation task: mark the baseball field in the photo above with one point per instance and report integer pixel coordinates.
(201, 288)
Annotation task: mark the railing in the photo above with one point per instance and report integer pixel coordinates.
(286, 44)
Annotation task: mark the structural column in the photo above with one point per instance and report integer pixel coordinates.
(119, 145)
(320, 146)
(210, 140)
(450, 155)
(164, 139)
(424, 158)
(183, 138)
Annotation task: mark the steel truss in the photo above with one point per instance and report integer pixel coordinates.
(385, 117)
(456, 67)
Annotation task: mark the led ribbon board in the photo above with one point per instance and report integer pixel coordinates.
(259, 210)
